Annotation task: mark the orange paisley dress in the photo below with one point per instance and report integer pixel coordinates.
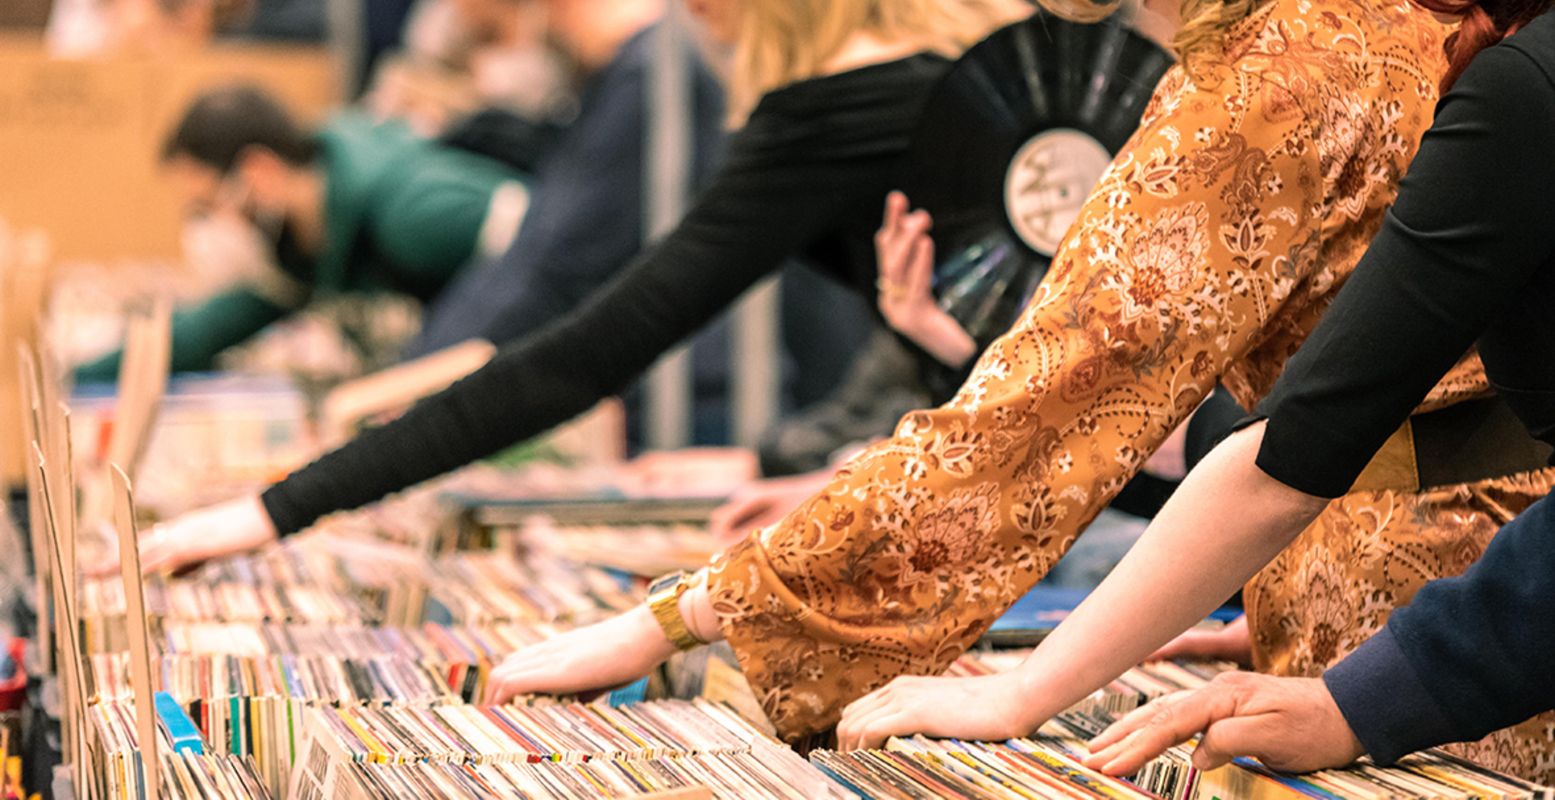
(1206, 254)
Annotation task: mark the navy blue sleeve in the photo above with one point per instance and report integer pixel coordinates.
(1470, 655)
(583, 226)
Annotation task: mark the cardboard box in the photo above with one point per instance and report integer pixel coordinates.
(79, 140)
(25, 14)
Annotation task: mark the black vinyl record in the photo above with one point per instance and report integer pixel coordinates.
(1011, 143)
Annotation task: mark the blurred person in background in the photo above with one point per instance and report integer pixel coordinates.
(356, 206)
(461, 56)
(587, 207)
(828, 94)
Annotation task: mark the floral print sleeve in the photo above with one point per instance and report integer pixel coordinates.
(1197, 247)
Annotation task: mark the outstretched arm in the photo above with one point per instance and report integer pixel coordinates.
(1471, 654)
(921, 541)
(201, 332)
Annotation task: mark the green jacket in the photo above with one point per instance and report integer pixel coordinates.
(400, 213)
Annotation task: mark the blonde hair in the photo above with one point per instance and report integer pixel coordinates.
(1203, 28)
(1205, 23)
(783, 41)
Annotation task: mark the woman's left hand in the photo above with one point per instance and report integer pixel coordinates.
(987, 708)
(905, 256)
(599, 656)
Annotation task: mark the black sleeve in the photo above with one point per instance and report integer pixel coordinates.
(1471, 225)
(1470, 655)
(762, 208)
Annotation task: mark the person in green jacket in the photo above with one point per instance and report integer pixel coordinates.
(357, 206)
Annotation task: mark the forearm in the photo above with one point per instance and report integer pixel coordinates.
(696, 607)
(1198, 551)
(200, 333)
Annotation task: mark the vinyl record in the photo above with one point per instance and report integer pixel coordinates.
(1011, 143)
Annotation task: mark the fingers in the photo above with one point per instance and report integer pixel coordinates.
(861, 712)
(895, 210)
(872, 732)
(1231, 643)
(516, 674)
(1166, 722)
(1231, 737)
(1189, 644)
(895, 240)
(1131, 722)
(919, 278)
(158, 553)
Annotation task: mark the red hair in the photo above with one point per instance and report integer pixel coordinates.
(1485, 22)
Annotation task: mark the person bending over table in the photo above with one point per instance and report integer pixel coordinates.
(356, 206)
(1466, 256)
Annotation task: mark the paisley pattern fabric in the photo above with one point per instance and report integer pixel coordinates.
(1366, 555)
(1206, 253)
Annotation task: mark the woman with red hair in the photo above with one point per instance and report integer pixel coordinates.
(1465, 256)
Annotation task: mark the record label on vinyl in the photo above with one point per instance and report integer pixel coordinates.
(1047, 183)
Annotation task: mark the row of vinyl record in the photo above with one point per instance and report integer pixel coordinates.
(1049, 766)
(469, 588)
(736, 775)
(381, 680)
(686, 749)
(1430, 774)
(184, 773)
(553, 732)
(360, 664)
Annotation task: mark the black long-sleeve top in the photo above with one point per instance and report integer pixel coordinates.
(806, 176)
(1467, 254)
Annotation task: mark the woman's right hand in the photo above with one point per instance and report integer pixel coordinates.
(1232, 643)
(905, 255)
(762, 503)
(235, 526)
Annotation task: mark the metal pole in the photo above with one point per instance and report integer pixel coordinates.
(757, 378)
(668, 178)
